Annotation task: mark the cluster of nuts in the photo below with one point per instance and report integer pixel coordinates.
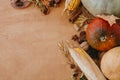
(81, 39)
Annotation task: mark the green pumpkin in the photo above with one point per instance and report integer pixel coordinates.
(97, 7)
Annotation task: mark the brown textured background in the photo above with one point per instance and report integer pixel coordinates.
(28, 43)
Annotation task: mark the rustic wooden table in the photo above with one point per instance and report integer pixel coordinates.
(28, 43)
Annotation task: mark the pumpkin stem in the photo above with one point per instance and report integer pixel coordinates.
(103, 38)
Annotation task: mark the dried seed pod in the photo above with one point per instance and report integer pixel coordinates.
(75, 74)
(19, 4)
(82, 33)
(75, 38)
(72, 66)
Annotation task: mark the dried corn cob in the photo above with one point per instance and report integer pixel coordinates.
(72, 5)
(86, 64)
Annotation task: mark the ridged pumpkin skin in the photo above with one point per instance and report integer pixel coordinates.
(97, 7)
(99, 35)
(116, 31)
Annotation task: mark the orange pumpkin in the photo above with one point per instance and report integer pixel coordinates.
(116, 31)
(99, 35)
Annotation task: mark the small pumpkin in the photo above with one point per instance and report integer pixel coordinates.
(110, 64)
(99, 35)
(97, 7)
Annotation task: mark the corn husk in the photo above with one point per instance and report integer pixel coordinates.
(86, 64)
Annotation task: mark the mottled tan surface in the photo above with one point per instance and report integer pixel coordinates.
(28, 44)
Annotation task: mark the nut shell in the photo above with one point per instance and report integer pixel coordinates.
(20, 4)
